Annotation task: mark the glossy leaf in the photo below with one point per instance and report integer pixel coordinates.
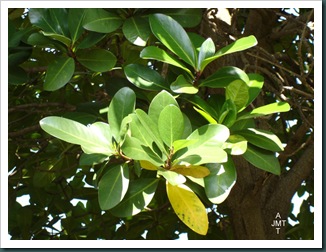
(237, 91)
(42, 19)
(145, 78)
(138, 196)
(207, 116)
(148, 165)
(172, 177)
(202, 104)
(228, 113)
(182, 85)
(92, 38)
(266, 110)
(59, 74)
(97, 60)
(262, 159)
(76, 133)
(170, 124)
(75, 23)
(61, 38)
(174, 37)
(156, 53)
(136, 30)
(219, 183)
(237, 46)
(59, 18)
(113, 186)
(236, 144)
(99, 20)
(262, 138)
(91, 159)
(195, 171)
(158, 103)
(188, 207)
(207, 50)
(183, 143)
(255, 84)
(134, 149)
(224, 76)
(122, 104)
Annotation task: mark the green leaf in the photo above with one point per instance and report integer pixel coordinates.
(170, 124)
(262, 159)
(272, 108)
(17, 76)
(145, 78)
(228, 113)
(183, 143)
(255, 84)
(219, 183)
(91, 159)
(174, 37)
(151, 129)
(76, 133)
(262, 138)
(155, 53)
(99, 20)
(237, 145)
(59, 74)
(122, 104)
(92, 38)
(237, 91)
(63, 39)
(97, 60)
(158, 103)
(224, 76)
(207, 116)
(187, 17)
(172, 177)
(59, 17)
(207, 50)
(202, 104)
(138, 196)
(188, 207)
(237, 46)
(42, 19)
(75, 23)
(134, 149)
(181, 85)
(136, 30)
(113, 186)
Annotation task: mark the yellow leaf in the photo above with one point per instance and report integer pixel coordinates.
(147, 165)
(188, 207)
(195, 171)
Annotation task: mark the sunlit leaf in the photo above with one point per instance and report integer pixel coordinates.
(172, 177)
(255, 84)
(170, 124)
(188, 207)
(182, 85)
(207, 50)
(236, 144)
(238, 92)
(195, 171)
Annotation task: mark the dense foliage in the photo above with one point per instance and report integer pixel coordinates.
(128, 110)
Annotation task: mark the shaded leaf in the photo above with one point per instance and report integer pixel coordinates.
(224, 76)
(262, 159)
(42, 19)
(61, 38)
(173, 36)
(75, 23)
(138, 196)
(144, 77)
(262, 138)
(122, 104)
(113, 186)
(97, 60)
(99, 20)
(136, 30)
(188, 207)
(59, 74)
(207, 50)
(187, 17)
(219, 183)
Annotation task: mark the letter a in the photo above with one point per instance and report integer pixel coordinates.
(278, 216)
